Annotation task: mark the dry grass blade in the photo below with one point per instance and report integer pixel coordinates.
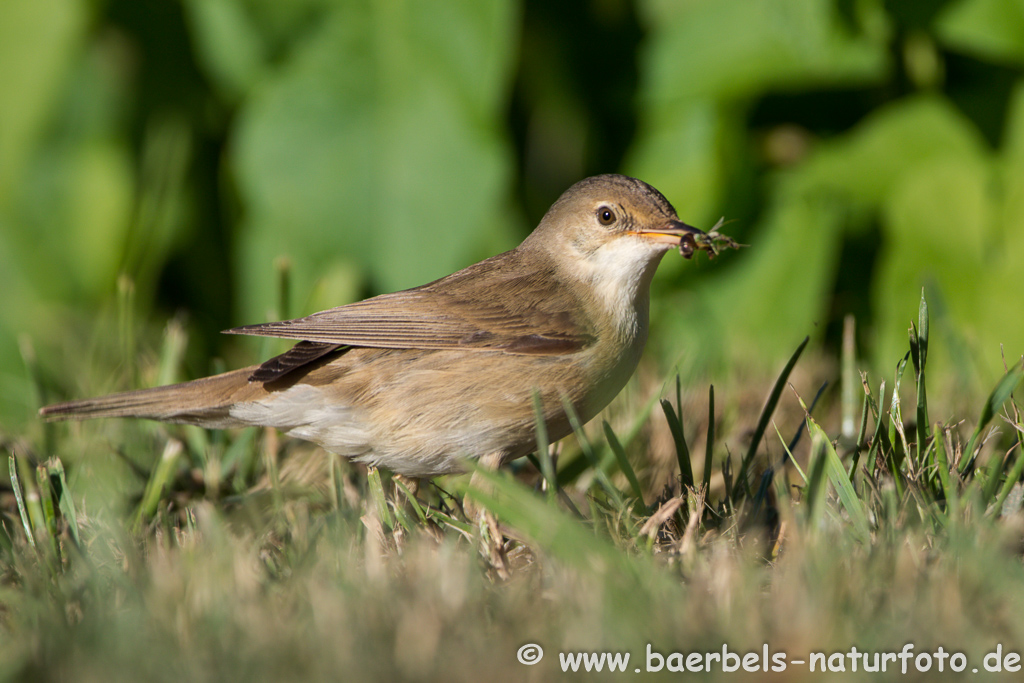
(715, 242)
(664, 513)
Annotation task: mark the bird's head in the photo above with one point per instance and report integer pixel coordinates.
(614, 216)
(612, 230)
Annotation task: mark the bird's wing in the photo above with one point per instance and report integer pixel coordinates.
(461, 311)
(299, 356)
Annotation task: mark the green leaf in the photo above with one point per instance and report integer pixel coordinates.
(987, 29)
(866, 164)
(379, 141)
(38, 46)
(768, 44)
(228, 44)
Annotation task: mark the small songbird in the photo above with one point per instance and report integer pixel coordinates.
(416, 381)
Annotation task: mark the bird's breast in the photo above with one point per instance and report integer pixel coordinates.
(611, 361)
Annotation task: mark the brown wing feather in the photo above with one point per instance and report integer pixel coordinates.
(463, 310)
(298, 356)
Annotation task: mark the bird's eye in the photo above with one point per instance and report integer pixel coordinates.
(605, 215)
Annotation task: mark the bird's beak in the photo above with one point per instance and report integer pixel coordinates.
(675, 233)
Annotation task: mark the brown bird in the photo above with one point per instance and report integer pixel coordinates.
(416, 380)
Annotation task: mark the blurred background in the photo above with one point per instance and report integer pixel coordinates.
(164, 159)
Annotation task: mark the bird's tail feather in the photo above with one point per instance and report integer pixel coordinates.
(204, 402)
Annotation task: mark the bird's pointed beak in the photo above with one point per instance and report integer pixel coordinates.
(676, 233)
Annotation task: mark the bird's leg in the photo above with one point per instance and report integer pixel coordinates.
(492, 543)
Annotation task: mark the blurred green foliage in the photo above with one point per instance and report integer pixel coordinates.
(865, 149)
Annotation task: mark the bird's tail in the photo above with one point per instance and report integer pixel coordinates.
(204, 402)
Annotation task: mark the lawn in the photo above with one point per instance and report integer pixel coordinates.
(242, 556)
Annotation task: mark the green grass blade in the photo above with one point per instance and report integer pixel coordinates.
(880, 444)
(607, 460)
(993, 475)
(241, 455)
(561, 536)
(559, 493)
(636, 426)
(547, 465)
(995, 401)
(709, 446)
(172, 353)
(380, 501)
(162, 475)
(49, 509)
(682, 451)
(727, 482)
(923, 325)
(591, 457)
(789, 454)
(942, 465)
(19, 497)
(1012, 477)
(922, 392)
(49, 519)
(841, 482)
(848, 363)
(858, 446)
(769, 472)
(815, 488)
(33, 504)
(896, 449)
(766, 414)
(627, 469)
(65, 502)
(126, 324)
(467, 530)
(402, 517)
(896, 418)
(862, 432)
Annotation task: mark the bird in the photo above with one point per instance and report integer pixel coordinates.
(460, 369)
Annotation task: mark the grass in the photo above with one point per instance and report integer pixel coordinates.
(238, 556)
